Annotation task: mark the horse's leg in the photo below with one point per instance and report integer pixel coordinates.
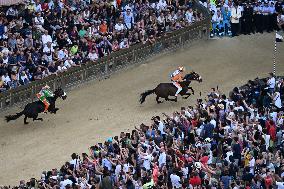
(55, 110)
(25, 120)
(157, 99)
(169, 99)
(40, 119)
(188, 95)
(35, 118)
(191, 90)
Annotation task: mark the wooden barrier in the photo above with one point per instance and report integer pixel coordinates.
(114, 62)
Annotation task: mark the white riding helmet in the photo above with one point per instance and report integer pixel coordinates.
(46, 87)
(181, 68)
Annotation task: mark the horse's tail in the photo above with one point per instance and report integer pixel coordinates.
(14, 117)
(145, 94)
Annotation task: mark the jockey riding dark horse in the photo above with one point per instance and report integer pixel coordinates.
(164, 90)
(32, 110)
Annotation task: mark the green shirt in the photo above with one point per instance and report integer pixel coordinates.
(82, 33)
(47, 93)
(74, 49)
(148, 185)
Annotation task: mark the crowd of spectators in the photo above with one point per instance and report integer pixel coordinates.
(45, 37)
(221, 142)
(230, 18)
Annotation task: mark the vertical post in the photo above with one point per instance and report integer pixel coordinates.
(274, 57)
(106, 68)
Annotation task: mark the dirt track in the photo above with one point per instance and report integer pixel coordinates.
(98, 110)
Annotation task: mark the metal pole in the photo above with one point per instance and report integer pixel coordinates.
(274, 57)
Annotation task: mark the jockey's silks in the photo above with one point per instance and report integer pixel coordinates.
(176, 76)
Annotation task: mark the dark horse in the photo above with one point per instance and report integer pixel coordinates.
(164, 90)
(32, 110)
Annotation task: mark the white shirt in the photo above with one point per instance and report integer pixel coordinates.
(119, 26)
(235, 15)
(274, 116)
(280, 185)
(65, 183)
(47, 49)
(251, 165)
(75, 162)
(213, 122)
(38, 8)
(161, 19)
(117, 169)
(106, 163)
(189, 16)
(161, 127)
(161, 5)
(162, 159)
(228, 154)
(46, 38)
(239, 108)
(61, 54)
(5, 61)
(61, 68)
(93, 56)
(147, 162)
(126, 167)
(175, 181)
(271, 83)
(68, 63)
(39, 20)
(6, 79)
(277, 100)
(123, 45)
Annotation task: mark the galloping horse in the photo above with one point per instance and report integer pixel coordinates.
(164, 90)
(32, 110)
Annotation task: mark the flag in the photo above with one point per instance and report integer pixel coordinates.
(278, 38)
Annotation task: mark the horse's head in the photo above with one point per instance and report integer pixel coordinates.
(193, 76)
(60, 93)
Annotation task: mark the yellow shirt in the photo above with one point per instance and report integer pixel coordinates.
(31, 7)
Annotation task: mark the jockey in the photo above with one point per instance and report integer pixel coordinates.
(177, 77)
(44, 93)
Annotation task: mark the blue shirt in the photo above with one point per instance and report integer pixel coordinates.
(128, 18)
(226, 15)
(226, 181)
(271, 9)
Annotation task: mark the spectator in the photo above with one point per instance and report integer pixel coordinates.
(50, 32)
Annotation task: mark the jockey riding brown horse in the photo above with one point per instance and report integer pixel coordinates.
(164, 90)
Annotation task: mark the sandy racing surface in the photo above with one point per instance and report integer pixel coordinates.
(98, 110)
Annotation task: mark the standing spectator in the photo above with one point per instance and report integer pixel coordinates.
(128, 19)
(235, 19)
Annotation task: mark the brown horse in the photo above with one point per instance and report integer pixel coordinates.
(164, 90)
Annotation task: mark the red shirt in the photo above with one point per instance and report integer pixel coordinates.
(272, 132)
(44, 6)
(195, 181)
(204, 160)
(268, 181)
